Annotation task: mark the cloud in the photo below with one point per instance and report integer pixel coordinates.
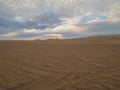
(19, 19)
(71, 18)
(30, 31)
(9, 34)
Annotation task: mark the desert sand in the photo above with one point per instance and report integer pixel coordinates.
(91, 63)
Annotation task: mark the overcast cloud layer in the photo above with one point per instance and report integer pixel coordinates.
(43, 19)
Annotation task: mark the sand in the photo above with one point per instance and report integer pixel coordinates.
(91, 63)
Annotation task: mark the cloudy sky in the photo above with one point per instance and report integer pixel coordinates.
(43, 19)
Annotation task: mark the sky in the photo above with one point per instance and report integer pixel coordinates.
(59, 19)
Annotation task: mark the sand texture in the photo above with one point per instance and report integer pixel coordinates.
(91, 63)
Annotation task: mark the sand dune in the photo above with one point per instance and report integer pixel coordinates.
(91, 63)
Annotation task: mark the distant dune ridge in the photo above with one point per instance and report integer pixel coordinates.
(86, 40)
(91, 63)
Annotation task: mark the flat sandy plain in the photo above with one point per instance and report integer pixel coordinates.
(91, 63)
